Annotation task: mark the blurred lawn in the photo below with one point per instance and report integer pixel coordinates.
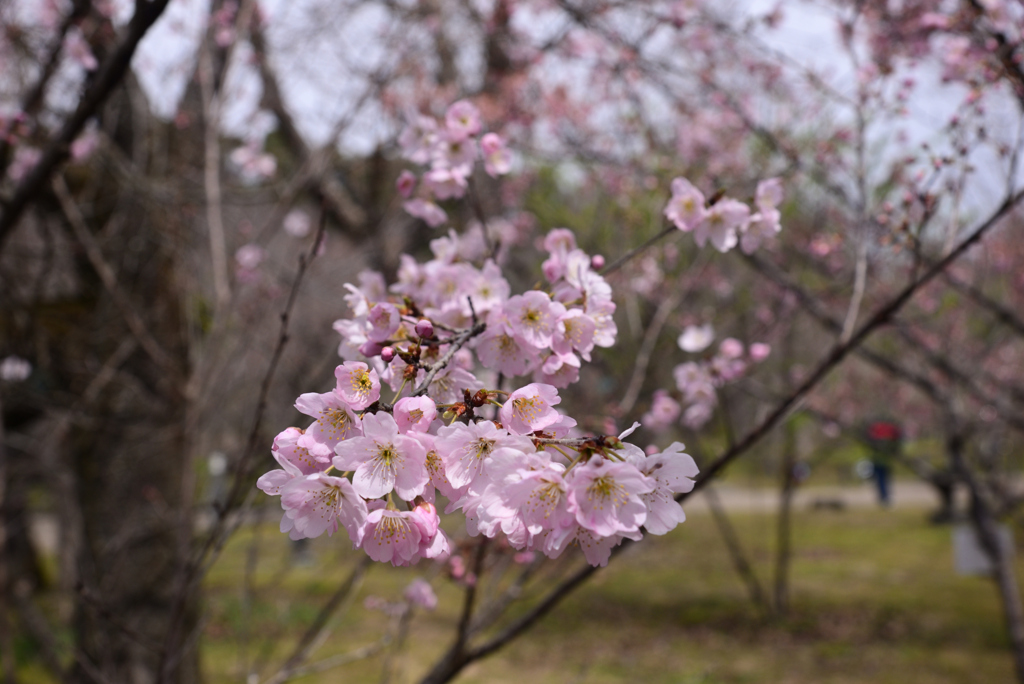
(874, 600)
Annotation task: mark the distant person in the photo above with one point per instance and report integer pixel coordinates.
(884, 438)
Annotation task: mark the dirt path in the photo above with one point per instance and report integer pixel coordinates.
(736, 499)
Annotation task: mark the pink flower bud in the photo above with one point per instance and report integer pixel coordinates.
(424, 328)
(597, 262)
(387, 354)
(370, 348)
(759, 351)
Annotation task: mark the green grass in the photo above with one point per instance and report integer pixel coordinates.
(874, 599)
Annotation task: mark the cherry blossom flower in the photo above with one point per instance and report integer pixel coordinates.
(465, 449)
(462, 120)
(559, 370)
(731, 348)
(78, 49)
(696, 338)
(405, 184)
(663, 413)
(383, 460)
(431, 214)
(250, 256)
(534, 317)
(418, 139)
(414, 414)
(501, 349)
(358, 384)
(574, 332)
(316, 503)
(530, 408)
(497, 159)
(14, 369)
(759, 351)
(721, 223)
(383, 319)
(392, 536)
(335, 422)
(686, 208)
(672, 471)
(454, 153)
(606, 496)
(446, 183)
(420, 593)
(296, 223)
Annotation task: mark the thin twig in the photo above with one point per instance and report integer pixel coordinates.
(194, 570)
(108, 76)
(305, 644)
(94, 253)
(628, 256)
(445, 671)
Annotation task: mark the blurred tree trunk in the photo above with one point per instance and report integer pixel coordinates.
(129, 457)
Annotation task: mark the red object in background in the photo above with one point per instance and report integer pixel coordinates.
(884, 431)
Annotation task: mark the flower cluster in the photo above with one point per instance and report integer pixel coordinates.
(726, 222)
(440, 336)
(697, 381)
(450, 148)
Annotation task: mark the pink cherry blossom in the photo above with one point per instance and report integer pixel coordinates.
(296, 223)
(672, 471)
(465, 449)
(317, 503)
(721, 224)
(391, 536)
(454, 153)
(501, 349)
(759, 351)
(420, 593)
(405, 184)
(559, 370)
(761, 228)
(534, 317)
(497, 159)
(462, 120)
(686, 208)
(383, 460)
(605, 496)
(530, 408)
(15, 369)
(696, 338)
(731, 348)
(414, 414)
(418, 139)
(664, 412)
(358, 384)
(250, 256)
(432, 214)
(768, 194)
(335, 422)
(384, 320)
(574, 332)
(447, 183)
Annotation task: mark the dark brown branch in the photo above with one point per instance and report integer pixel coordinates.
(109, 279)
(110, 74)
(628, 256)
(305, 644)
(1004, 315)
(34, 99)
(445, 671)
(193, 571)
